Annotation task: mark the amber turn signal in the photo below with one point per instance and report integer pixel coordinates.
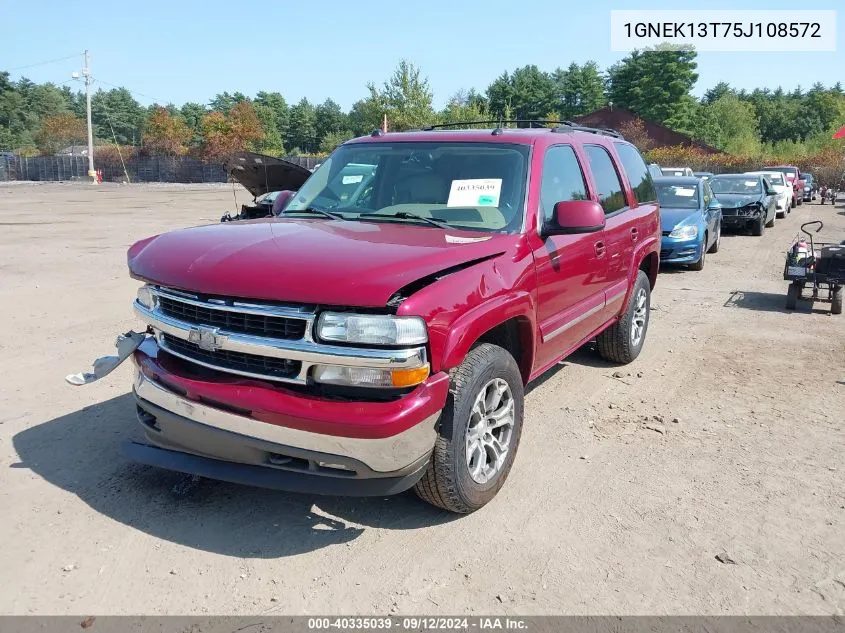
(408, 377)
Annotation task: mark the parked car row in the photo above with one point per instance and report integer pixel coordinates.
(695, 207)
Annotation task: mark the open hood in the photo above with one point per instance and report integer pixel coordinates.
(260, 174)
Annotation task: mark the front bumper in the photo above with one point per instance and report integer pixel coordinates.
(256, 433)
(673, 251)
(739, 218)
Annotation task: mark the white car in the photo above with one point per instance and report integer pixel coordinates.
(676, 171)
(782, 186)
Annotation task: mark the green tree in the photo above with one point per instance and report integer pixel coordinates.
(329, 118)
(332, 139)
(581, 89)
(192, 113)
(271, 143)
(407, 98)
(734, 125)
(281, 112)
(652, 83)
(302, 128)
(224, 101)
(528, 93)
(719, 90)
(117, 110)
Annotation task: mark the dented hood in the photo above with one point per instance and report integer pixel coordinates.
(260, 174)
(307, 261)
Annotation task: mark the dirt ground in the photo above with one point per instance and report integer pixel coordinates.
(607, 510)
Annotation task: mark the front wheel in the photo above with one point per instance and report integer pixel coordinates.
(623, 341)
(836, 301)
(479, 432)
(771, 222)
(718, 241)
(758, 227)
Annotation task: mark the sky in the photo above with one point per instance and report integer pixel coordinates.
(184, 50)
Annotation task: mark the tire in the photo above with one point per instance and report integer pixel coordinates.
(718, 241)
(699, 265)
(448, 482)
(758, 228)
(792, 293)
(792, 204)
(836, 301)
(617, 343)
(771, 222)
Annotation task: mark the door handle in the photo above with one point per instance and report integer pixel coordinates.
(599, 249)
(634, 235)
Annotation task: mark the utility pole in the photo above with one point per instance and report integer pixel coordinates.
(86, 77)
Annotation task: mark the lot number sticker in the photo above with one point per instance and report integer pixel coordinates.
(477, 192)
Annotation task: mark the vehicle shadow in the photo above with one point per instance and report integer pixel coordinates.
(80, 453)
(586, 355)
(771, 302)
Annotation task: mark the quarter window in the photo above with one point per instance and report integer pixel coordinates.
(562, 179)
(608, 185)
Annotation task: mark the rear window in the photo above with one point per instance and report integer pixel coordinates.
(608, 185)
(683, 196)
(637, 171)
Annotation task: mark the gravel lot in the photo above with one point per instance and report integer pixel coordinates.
(725, 439)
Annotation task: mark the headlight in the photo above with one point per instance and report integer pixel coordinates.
(685, 232)
(369, 377)
(146, 298)
(371, 329)
(806, 188)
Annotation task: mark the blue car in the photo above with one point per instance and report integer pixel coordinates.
(691, 220)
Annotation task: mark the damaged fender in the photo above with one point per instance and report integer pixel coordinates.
(126, 344)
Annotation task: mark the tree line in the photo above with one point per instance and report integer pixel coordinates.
(655, 84)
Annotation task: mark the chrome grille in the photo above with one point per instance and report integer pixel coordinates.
(269, 326)
(264, 366)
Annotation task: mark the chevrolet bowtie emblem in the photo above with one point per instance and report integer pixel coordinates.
(206, 338)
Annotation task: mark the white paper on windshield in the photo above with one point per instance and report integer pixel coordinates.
(351, 180)
(685, 192)
(750, 183)
(477, 192)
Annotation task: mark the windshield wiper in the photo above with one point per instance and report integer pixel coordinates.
(406, 215)
(323, 212)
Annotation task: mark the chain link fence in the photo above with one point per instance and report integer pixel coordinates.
(138, 169)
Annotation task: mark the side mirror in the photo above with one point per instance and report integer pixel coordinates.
(281, 201)
(576, 216)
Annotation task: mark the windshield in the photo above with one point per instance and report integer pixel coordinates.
(748, 185)
(668, 171)
(474, 186)
(677, 196)
(808, 178)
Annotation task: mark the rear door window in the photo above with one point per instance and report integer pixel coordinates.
(608, 185)
(637, 171)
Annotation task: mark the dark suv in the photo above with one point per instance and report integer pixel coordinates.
(381, 338)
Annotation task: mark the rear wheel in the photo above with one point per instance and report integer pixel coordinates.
(623, 341)
(478, 434)
(836, 301)
(792, 294)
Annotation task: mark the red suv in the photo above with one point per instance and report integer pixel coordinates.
(378, 335)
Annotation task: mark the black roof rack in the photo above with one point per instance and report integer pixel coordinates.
(560, 126)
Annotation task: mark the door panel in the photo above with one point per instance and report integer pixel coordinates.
(571, 269)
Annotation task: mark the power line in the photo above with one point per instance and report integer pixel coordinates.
(134, 92)
(49, 61)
